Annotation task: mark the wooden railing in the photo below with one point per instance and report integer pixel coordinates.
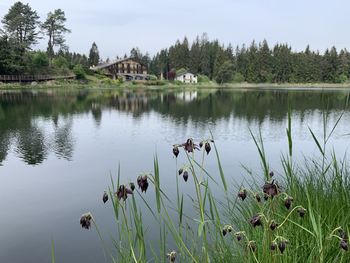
(29, 78)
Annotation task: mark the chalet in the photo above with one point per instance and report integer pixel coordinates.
(128, 69)
(187, 77)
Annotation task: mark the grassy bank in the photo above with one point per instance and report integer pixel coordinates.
(299, 214)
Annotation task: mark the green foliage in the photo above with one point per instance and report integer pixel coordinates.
(237, 77)
(224, 73)
(94, 55)
(20, 25)
(153, 77)
(79, 72)
(60, 62)
(203, 78)
(181, 71)
(40, 60)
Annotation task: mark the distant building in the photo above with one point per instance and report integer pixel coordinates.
(187, 77)
(127, 68)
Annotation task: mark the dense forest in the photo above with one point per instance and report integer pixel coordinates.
(21, 30)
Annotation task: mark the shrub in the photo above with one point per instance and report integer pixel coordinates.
(203, 78)
(237, 77)
(79, 72)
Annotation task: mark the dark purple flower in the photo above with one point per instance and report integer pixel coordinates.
(189, 146)
(85, 220)
(201, 144)
(242, 194)
(273, 225)
(238, 236)
(258, 198)
(122, 192)
(282, 246)
(271, 174)
(266, 197)
(180, 171)
(185, 176)
(171, 256)
(207, 147)
(132, 186)
(105, 197)
(142, 182)
(255, 221)
(273, 246)
(271, 189)
(224, 231)
(344, 245)
(176, 151)
(288, 202)
(301, 211)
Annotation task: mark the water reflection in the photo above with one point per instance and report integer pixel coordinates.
(35, 124)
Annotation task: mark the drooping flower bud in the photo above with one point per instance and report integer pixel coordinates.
(176, 151)
(258, 198)
(282, 246)
(288, 202)
(185, 176)
(171, 256)
(271, 174)
(238, 236)
(132, 186)
(252, 246)
(224, 231)
(180, 171)
(273, 225)
(142, 182)
(344, 245)
(85, 220)
(301, 211)
(273, 246)
(271, 189)
(255, 221)
(242, 194)
(201, 144)
(207, 147)
(105, 197)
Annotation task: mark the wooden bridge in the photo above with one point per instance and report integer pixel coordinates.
(31, 78)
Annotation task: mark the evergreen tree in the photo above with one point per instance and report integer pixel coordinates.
(54, 27)
(94, 55)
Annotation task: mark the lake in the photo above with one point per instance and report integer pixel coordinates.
(59, 149)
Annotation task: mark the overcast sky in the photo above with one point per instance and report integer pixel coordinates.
(117, 26)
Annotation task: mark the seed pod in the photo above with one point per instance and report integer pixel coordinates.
(344, 245)
(207, 147)
(85, 220)
(132, 186)
(273, 225)
(180, 171)
(258, 198)
(282, 246)
(273, 246)
(242, 194)
(201, 144)
(288, 202)
(176, 151)
(105, 197)
(185, 176)
(255, 221)
(301, 211)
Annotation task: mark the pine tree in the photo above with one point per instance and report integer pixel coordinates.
(94, 55)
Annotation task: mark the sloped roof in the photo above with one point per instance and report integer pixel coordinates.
(187, 72)
(106, 65)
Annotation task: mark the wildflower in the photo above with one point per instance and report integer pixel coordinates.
(142, 183)
(266, 197)
(176, 151)
(271, 189)
(85, 220)
(242, 194)
(273, 225)
(282, 246)
(207, 147)
(288, 202)
(224, 231)
(180, 171)
(273, 246)
(344, 244)
(252, 246)
(105, 197)
(229, 229)
(123, 192)
(258, 198)
(255, 221)
(271, 174)
(238, 236)
(132, 186)
(301, 211)
(171, 256)
(201, 144)
(189, 146)
(185, 176)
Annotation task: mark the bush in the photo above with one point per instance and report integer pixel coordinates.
(60, 62)
(237, 77)
(203, 79)
(341, 78)
(40, 60)
(153, 77)
(79, 72)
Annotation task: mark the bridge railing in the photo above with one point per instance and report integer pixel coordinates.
(28, 78)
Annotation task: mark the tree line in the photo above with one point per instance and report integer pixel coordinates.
(211, 60)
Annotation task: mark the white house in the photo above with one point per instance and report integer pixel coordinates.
(187, 77)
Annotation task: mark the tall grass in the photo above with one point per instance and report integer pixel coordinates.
(220, 231)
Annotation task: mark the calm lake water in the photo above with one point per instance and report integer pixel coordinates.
(59, 148)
